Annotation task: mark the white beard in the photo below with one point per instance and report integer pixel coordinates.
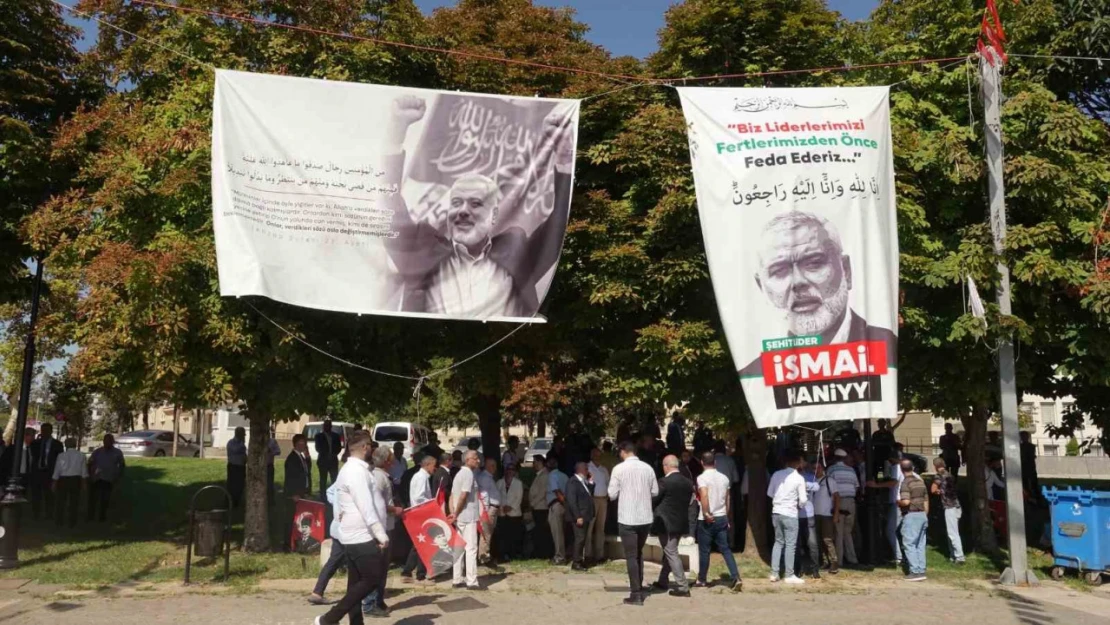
(820, 320)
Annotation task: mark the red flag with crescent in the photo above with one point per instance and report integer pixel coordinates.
(437, 543)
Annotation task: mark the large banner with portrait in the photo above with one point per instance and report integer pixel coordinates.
(389, 200)
(795, 192)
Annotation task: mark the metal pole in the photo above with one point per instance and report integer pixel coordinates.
(11, 506)
(1018, 571)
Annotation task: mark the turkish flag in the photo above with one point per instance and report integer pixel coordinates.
(437, 543)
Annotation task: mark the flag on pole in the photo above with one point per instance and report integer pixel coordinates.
(437, 543)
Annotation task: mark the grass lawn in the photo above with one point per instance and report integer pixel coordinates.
(144, 540)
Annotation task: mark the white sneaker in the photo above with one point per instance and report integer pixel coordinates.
(316, 621)
(774, 578)
(794, 579)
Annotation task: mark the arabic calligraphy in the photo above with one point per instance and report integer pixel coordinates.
(807, 189)
(311, 174)
(759, 104)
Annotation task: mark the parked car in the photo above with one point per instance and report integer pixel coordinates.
(921, 464)
(312, 428)
(413, 435)
(540, 446)
(155, 443)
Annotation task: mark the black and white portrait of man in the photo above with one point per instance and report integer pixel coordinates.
(469, 266)
(804, 272)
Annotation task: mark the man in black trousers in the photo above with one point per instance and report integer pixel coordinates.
(672, 504)
(579, 512)
(44, 454)
(328, 447)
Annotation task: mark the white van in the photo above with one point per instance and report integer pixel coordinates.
(312, 428)
(413, 435)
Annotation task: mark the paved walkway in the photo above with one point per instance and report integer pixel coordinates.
(543, 597)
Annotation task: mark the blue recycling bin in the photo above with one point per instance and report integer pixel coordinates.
(1080, 532)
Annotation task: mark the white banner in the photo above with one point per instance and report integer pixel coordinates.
(795, 191)
(389, 200)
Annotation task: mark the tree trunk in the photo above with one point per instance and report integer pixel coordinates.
(975, 441)
(176, 427)
(146, 416)
(489, 424)
(256, 522)
(541, 429)
(200, 431)
(755, 462)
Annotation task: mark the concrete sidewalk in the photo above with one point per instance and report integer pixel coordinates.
(543, 597)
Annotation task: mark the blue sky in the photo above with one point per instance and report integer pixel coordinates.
(624, 27)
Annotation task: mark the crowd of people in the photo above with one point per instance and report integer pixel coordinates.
(54, 473)
(822, 502)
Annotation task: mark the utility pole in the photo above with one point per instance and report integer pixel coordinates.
(11, 505)
(990, 61)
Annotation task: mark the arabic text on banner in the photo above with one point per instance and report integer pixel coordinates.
(795, 192)
(389, 200)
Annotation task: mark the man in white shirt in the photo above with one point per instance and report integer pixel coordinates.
(361, 530)
(599, 475)
(374, 603)
(510, 528)
(420, 491)
(807, 525)
(69, 472)
(490, 497)
(713, 521)
(894, 511)
(633, 485)
(844, 481)
(464, 513)
(399, 466)
(787, 491)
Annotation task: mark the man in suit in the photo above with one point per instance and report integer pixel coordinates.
(8, 457)
(474, 271)
(580, 512)
(328, 447)
(44, 454)
(298, 479)
(672, 506)
(804, 272)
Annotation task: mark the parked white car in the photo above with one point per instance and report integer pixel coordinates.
(156, 444)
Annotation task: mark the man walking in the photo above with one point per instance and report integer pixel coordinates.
(237, 466)
(944, 486)
(713, 521)
(787, 491)
(913, 498)
(420, 491)
(537, 502)
(374, 603)
(633, 486)
(70, 472)
(580, 513)
(676, 492)
(464, 513)
(44, 453)
(105, 470)
(557, 508)
(328, 447)
(599, 475)
(360, 529)
(845, 484)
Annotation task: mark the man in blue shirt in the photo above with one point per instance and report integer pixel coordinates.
(556, 507)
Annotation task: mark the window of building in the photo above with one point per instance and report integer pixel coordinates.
(1051, 450)
(1048, 413)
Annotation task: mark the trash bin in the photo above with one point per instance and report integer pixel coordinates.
(1080, 532)
(210, 532)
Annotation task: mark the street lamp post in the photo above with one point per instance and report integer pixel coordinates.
(12, 503)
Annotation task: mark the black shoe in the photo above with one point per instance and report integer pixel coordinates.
(577, 566)
(558, 561)
(816, 575)
(679, 593)
(476, 587)
(376, 612)
(658, 587)
(634, 599)
(834, 571)
(459, 586)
